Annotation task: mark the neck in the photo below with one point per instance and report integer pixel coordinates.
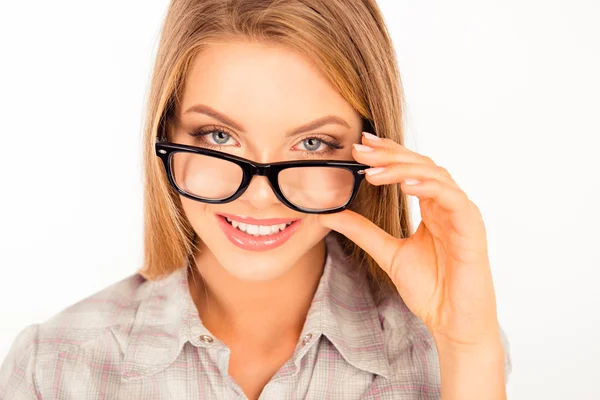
(233, 309)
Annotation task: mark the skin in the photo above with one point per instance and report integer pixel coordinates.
(244, 296)
(442, 271)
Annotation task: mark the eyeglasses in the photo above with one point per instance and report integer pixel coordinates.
(210, 176)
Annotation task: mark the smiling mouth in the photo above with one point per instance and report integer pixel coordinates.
(257, 234)
(258, 230)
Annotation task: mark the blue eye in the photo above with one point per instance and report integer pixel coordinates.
(214, 137)
(318, 145)
(220, 137)
(312, 144)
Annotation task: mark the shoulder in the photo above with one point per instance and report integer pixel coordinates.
(77, 327)
(87, 319)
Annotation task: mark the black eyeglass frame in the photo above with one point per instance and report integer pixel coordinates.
(165, 150)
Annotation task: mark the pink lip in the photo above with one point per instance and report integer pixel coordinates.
(254, 221)
(257, 243)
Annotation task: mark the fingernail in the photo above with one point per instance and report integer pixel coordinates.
(412, 182)
(373, 171)
(362, 148)
(370, 136)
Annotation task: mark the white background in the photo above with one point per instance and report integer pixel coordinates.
(504, 94)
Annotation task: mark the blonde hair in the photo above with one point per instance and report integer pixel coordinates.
(348, 41)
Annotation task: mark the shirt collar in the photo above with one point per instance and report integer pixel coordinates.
(342, 310)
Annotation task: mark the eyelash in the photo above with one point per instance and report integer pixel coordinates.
(331, 143)
(200, 133)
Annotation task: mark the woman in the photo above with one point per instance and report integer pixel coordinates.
(278, 256)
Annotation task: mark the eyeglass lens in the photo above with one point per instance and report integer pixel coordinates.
(314, 188)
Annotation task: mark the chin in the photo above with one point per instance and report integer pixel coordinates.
(256, 267)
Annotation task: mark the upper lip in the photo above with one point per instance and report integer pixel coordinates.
(253, 221)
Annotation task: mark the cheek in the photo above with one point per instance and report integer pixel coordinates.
(197, 213)
(313, 231)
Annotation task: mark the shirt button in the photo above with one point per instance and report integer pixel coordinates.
(306, 339)
(206, 338)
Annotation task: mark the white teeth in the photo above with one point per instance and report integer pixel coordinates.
(258, 230)
(252, 229)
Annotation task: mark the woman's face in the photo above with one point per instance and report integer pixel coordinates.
(246, 99)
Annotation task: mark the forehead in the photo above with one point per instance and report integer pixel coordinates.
(260, 82)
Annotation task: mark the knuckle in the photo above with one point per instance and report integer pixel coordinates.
(444, 171)
(428, 160)
(468, 204)
(391, 154)
(474, 206)
(388, 141)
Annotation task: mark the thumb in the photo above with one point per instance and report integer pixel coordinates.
(375, 241)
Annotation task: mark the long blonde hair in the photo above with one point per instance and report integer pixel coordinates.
(348, 41)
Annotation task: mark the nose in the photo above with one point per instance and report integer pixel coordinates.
(259, 193)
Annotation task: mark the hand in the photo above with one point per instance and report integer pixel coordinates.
(442, 271)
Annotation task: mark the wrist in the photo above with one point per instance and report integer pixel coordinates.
(472, 371)
(487, 347)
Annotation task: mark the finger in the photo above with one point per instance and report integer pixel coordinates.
(381, 156)
(395, 148)
(449, 198)
(369, 139)
(376, 242)
(399, 172)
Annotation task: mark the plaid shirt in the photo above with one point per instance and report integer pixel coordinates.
(140, 339)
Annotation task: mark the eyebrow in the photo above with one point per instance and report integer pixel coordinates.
(317, 123)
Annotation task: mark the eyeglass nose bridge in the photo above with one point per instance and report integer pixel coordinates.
(262, 170)
(269, 172)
